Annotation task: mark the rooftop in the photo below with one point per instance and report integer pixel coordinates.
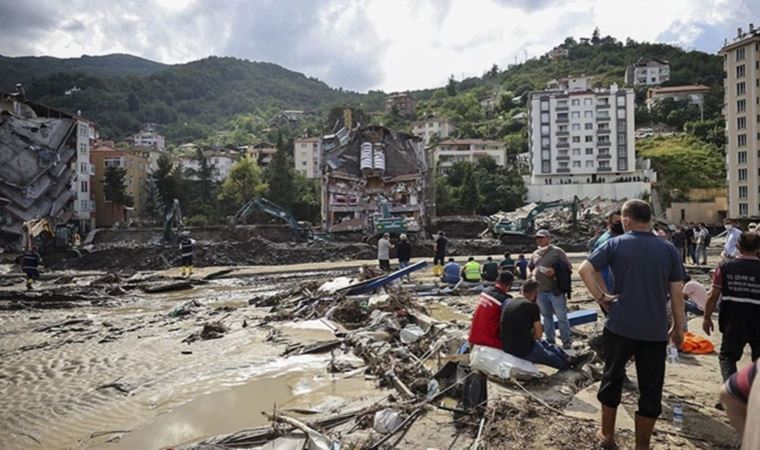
(401, 156)
(469, 142)
(696, 88)
(741, 38)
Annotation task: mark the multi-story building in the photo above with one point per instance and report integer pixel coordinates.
(84, 207)
(447, 152)
(148, 137)
(647, 72)
(104, 155)
(433, 127)
(402, 102)
(582, 143)
(221, 162)
(558, 52)
(308, 156)
(262, 153)
(695, 94)
(741, 61)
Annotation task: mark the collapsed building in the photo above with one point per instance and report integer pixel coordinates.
(372, 172)
(38, 166)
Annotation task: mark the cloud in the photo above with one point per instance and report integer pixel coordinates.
(358, 44)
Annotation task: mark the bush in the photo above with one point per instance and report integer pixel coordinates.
(197, 221)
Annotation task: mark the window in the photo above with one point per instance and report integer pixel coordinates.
(83, 167)
(576, 139)
(742, 174)
(82, 149)
(545, 142)
(742, 157)
(561, 153)
(545, 117)
(577, 126)
(740, 71)
(604, 151)
(621, 113)
(589, 138)
(589, 163)
(742, 191)
(589, 150)
(620, 100)
(740, 54)
(741, 88)
(545, 154)
(575, 102)
(544, 129)
(545, 166)
(561, 103)
(741, 106)
(588, 126)
(743, 211)
(303, 163)
(575, 115)
(563, 165)
(588, 114)
(576, 152)
(741, 140)
(562, 140)
(588, 101)
(544, 105)
(112, 162)
(576, 164)
(83, 186)
(622, 164)
(741, 123)
(604, 164)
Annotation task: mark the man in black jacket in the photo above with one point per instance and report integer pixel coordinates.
(403, 251)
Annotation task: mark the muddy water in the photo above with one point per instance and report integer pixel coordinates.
(54, 384)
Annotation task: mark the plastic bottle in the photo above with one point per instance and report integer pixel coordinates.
(433, 388)
(672, 353)
(678, 416)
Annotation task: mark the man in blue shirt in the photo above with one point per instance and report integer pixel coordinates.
(614, 228)
(451, 272)
(645, 271)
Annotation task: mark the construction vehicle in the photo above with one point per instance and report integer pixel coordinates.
(384, 222)
(173, 224)
(301, 231)
(509, 231)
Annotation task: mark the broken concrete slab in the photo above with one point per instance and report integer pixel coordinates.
(584, 405)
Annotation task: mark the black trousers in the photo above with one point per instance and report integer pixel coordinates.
(438, 259)
(650, 371)
(740, 325)
(385, 264)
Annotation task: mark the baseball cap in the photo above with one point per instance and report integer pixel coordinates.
(543, 233)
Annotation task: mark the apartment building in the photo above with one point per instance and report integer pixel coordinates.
(447, 152)
(582, 142)
(433, 127)
(220, 161)
(647, 72)
(104, 155)
(84, 207)
(148, 137)
(695, 94)
(308, 156)
(262, 153)
(741, 61)
(402, 102)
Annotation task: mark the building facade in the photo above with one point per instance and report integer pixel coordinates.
(308, 156)
(402, 102)
(450, 151)
(694, 94)
(262, 153)
(148, 137)
(580, 140)
(647, 72)
(104, 155)
(430, 128)
(221, 162)
(741, 61)
(84, 207)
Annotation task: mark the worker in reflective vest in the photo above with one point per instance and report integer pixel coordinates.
(471, 270)
(186, 250)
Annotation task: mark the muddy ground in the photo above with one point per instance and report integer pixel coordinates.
(98, 361)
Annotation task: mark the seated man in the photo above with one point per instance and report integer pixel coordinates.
(471, 271)
(695, 294)
(507, 264)
(487, 315)
(522, 266)
(521, 331)
(490, 270)
(451, 272)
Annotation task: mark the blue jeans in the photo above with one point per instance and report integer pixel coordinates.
(554, 305)
(548, 355)
(701, 254)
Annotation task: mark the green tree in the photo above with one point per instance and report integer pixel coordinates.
(451, 87)
(166, 180)
(444, 200)
(468, 194)
(114, 188)
(154, 206)
(244, 183)
(205, 186)
(280, 175)
(133, 103)
(309, 198)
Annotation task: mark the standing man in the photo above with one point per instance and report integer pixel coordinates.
(645, 269)
(30, 263)
(471, 270)
(678, 238)
(403, 251)
(439, 250)
(521, 331)
(691, 243)
(490, 270)
(551, 300)
(737, 280)
(732, 238)
(186, 251)
(384, 252)
(703, 240)
(614, 229)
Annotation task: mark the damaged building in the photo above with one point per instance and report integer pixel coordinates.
(371, 173)
(39, 170)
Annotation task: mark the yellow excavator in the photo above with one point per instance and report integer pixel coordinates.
(41, 233)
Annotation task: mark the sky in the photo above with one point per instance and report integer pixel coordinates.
(389, 45)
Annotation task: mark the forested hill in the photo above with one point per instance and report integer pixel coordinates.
(189, 100)
(26, 69)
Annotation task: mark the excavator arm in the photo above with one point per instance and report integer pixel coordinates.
(173, 220)
(262, 204)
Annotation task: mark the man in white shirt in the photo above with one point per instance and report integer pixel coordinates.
(695, 293)
(732, 237)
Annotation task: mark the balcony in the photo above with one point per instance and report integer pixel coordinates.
(563, 145)
(563, 170)
(563, 133)
(603, 142)
(563, 157)
(602, 106)
(603, 131)
(561, 108)
(601, 118)
(604, 169)
(562, 119)
(603, 156)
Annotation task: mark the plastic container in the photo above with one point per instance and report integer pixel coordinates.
(411, 333)
(387, 420)
(433, 389)
(502, 365)
(678, 416)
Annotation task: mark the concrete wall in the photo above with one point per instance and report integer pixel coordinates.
(611, 191)
(711, 213)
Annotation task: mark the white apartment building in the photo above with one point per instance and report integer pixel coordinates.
(221, 162)
(447, 152)
(84, 207)
(149, 137)
(582, 143)
(308, 156)
(695, 94)
(741, 60)
(647, 72)
(433, 127)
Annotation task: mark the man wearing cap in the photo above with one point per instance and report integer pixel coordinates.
(551, 300)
